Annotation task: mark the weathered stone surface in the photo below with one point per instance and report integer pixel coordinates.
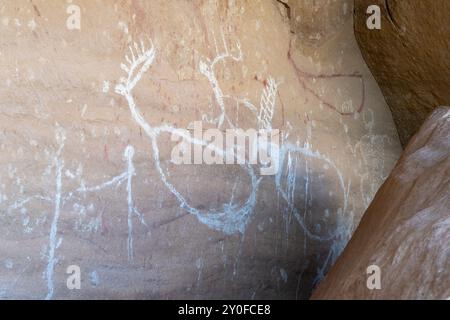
(408, 57)
(79, 161)
(315, 22)
(406, 229)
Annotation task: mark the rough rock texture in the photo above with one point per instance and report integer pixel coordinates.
(86, 176)
(408, 57)
(315, 22)
(406, 229)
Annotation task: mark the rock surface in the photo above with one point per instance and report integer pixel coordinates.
(86, 177)
(408, 57)
(406, 229)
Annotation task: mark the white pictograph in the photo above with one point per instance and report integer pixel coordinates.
(267, 105)
(230, 218)
(233, 218)
(61, 198)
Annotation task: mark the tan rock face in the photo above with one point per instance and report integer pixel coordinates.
(405, 231)
(86, 176)
(315, 22)
(408, 57)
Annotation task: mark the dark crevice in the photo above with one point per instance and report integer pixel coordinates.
(288, 8)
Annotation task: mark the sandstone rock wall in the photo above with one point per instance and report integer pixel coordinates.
(405, 231)
(86, 177)
(408, 57)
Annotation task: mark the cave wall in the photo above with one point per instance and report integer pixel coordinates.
(86, 177)
(408, 57)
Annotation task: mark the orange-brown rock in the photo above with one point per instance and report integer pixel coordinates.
(408, 57)
(406, 229)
